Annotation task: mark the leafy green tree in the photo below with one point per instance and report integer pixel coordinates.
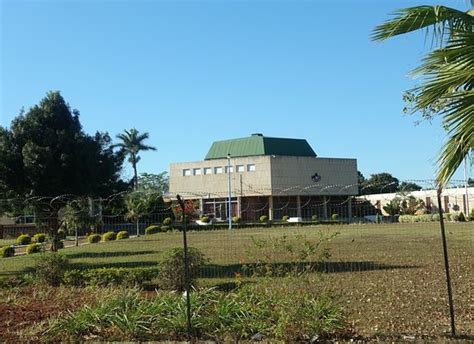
(380, 183)
(141, 204)
(45, 153)
(150, 182)
(446, 74)
(132, 143)
(408, 186)
(393, 207)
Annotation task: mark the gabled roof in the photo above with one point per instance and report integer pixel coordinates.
(257, 144)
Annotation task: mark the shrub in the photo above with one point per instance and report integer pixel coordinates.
(122, 235)
(34, 248)
(166, 228)
(471, 215)
(39, 237)
(109, 236)
(448, 216)
(236, 219)
(167, 221)
(7, 251)
(129, 277)
(153, 229)
(93, 238)
(23, 239)
(264, 219)
(285, 218)
(205, 219)
(61, 234)
(314, 218)
(461, 217)
(172, 267)
(335, 217)
(50, 268)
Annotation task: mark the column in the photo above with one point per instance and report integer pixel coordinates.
(239, 207)
(298, 206)
(325, 208)
(201, 206)
(270, 208)
(349, 208)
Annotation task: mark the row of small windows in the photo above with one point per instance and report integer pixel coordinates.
(217, 170)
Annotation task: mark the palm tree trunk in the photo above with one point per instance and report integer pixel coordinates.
(135, 177)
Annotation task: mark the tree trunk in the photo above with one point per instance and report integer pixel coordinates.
(135, 178)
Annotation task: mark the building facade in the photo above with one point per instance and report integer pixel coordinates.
(262, 174)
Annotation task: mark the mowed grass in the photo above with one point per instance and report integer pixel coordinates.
(390, 278)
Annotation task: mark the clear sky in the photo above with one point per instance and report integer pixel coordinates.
(191, 72)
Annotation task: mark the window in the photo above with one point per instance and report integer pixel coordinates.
(197, 171)
(251, 167)
(217, 170)
(186, 172)
(207, 170)
(229, 168)
(240, 168)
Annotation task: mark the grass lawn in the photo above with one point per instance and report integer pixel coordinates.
(390, 278)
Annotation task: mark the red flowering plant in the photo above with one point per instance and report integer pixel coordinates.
(190, 210)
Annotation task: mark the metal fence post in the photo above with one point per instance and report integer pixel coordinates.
(186, 269)
(446, 263)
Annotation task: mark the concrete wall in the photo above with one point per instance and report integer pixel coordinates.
(216, 185)
(273, 175)
(452, 199)
(292, 176)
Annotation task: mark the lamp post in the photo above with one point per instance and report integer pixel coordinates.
(229, 214)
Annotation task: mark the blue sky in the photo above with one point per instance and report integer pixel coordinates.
(191, 72)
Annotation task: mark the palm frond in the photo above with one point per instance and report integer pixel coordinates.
(440, 19)
(459, 120)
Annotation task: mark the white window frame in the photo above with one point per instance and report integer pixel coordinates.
(186, 172)
(231, 168)
(251, 168)
(240, 168)
(218, 170)
(207, 170)
(197, 171)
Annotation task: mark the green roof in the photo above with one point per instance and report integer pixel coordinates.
(257, 144)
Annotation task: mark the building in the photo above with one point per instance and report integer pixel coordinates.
(266, 176)
(454, 199)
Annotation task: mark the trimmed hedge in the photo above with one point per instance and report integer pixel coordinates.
(110, 276)
(167, 221)
(39, 238)
(153, 229)
(285, 218)
(94, 238)
(263, 219)
(122, 235)
(34, 248)
(7, 251)
(236, 219)
(23, 239)
(109, 236)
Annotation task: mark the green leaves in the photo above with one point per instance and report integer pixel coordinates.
(440, 19)
(447, 75)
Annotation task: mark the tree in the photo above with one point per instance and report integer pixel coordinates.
(392, 208)
(132, 143)
(154, 182)
(408, 187)
(447, 76)
(45, 154)
(380, 183)
(140, 204)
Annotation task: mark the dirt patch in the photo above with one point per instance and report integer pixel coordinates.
(30, 306)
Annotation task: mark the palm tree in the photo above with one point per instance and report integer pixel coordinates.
(132, 143)
(447, 75)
